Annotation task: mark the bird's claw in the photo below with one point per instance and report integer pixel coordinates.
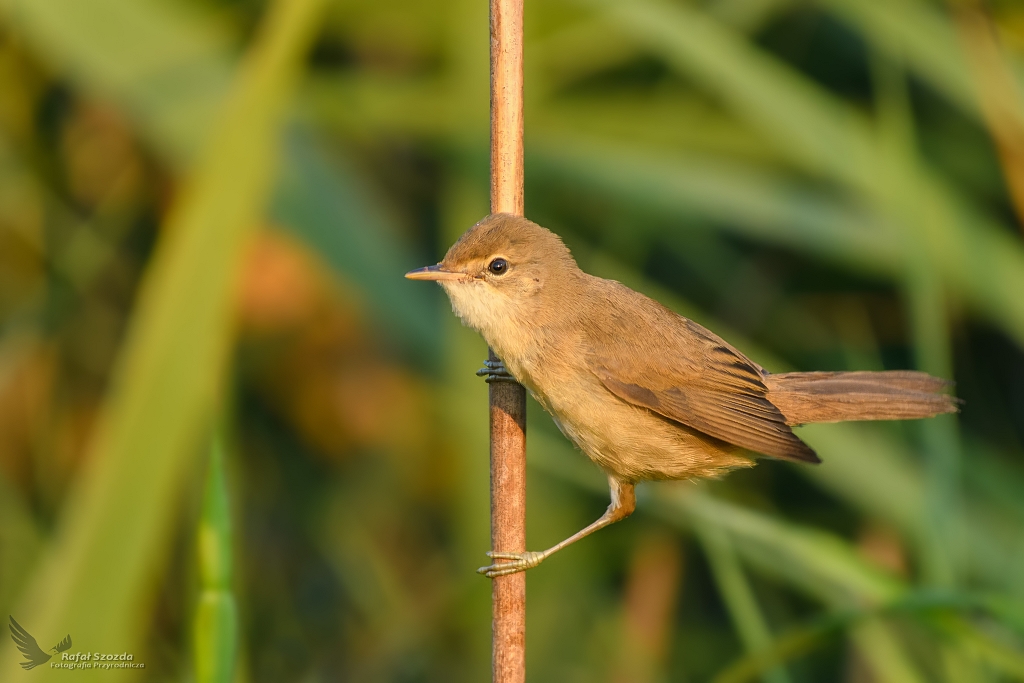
(494, 371)
(514, 562)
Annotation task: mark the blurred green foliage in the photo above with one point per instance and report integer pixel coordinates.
(191, 225)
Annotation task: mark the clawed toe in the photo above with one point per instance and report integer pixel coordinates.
(494, 371)
(511, 564)
(495, 570)
(504, 556)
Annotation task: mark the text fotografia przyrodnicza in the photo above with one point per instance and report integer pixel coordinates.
(97, 660)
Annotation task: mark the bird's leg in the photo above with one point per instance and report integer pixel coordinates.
(622, 506)
(494, 371)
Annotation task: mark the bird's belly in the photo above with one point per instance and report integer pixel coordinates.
(635, 443)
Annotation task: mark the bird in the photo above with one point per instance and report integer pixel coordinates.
(644, 392)
(28, 646)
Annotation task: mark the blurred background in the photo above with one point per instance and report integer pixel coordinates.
(207, 206)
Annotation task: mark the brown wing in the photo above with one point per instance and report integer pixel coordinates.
(691, 376)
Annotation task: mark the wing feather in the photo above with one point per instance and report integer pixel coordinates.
(693, 377)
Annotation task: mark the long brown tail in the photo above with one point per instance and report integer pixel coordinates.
(805, 397)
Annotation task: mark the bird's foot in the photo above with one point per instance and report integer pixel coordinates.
(513, 563)
(494, 371)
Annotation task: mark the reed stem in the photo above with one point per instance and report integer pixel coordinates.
(507, 400)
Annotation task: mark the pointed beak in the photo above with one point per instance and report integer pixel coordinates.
(437, 272)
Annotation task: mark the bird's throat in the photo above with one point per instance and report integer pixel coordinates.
(496, 317)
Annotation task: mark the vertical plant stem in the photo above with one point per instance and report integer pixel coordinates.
(215, 630)
(508, 528)
(507, 400)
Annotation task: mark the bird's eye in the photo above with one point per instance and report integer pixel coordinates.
(498, 266)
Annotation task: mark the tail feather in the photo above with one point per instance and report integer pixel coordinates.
(805, 397)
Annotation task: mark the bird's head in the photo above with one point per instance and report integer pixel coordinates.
(504, 271)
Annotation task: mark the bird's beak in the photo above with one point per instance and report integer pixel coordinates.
(437, 272)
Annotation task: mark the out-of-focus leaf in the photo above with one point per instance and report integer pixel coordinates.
(803, 639)
(20, 543)
(749, 15)
(323, 201)
(661, 124)
(813, 126)
(114, 529)
(822, 564)
(164, 62)
(168, 67)
(739, 597)
(919, 34)
(817, 563)
(362, 105)
(982, 262)
(463, 408)
(760, 205)
(577, 51)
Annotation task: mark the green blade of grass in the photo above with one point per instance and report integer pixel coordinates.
(21, 543)
(918, 33)
(323, 201)
(168, 68)
(367, 105)
(758, 204)
(748, 15)
(803, 639)
(96, 581)
(215, 626)
(739, 597)
(166, 63)
(977, 259)
(815, 128)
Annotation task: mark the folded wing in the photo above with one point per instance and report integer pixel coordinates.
(693, 377)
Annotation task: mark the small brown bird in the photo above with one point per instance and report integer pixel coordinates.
(644, 392)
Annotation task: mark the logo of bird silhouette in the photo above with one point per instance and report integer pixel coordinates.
(30, 648)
